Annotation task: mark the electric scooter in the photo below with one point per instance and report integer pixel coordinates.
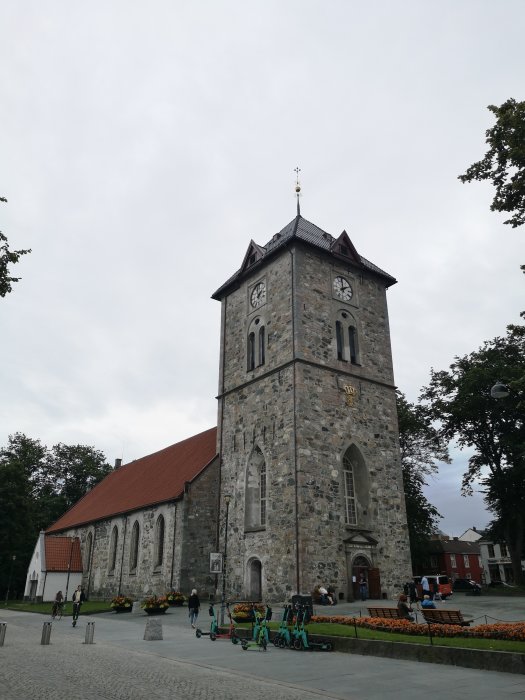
(283, 638)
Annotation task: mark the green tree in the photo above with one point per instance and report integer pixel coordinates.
(504, 162)
(8, 257)
(72, 471)
(460, 400)
(422, 447)
(37, 485)
(18, 461)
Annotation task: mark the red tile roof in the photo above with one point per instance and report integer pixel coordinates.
(157, 478)
(63, 553)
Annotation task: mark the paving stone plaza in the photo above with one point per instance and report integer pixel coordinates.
(121, 664)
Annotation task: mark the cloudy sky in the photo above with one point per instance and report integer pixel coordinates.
(143, 145)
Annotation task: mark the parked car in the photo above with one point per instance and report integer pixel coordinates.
(441, 581)
(466, 585)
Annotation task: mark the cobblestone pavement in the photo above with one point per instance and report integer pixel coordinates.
(67, 669)
(122, 665)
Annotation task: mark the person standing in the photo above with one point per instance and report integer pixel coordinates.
(425, 587)
(193, 607)
(363, 587)
(78, 599)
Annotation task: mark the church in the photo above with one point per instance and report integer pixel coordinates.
(300, 483)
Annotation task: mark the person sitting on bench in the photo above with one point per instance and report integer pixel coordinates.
(404, 608)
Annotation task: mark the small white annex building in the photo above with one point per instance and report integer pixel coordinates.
(56, 565)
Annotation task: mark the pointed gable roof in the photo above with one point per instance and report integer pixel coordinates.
(302, 230)
(157, 478)
(63, 554)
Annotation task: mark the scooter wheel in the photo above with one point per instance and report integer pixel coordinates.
(329, 646)
(297, 644)
(198, 633)
(244, 647)
(282, 644)
(235, 640)
(276, 640)
(213, 636)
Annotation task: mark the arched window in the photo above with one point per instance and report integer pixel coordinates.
(255, 502)
(159, 541)
(113, 550)
(89, 549)
(257, 341)
(134, 548)
(346, 340)
(349, 490)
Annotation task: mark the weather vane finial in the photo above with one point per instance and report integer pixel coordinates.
(297, 189)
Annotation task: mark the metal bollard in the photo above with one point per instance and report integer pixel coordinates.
(90, 633)
(46, 633)
(3, 627)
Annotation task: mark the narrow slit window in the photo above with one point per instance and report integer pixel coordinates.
(251, 351)
(352, 339)
(350, 505)
(261, 345)
(263, 493)
(339, 339)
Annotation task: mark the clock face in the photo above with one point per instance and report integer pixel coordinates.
(343, 289)
(258, 295)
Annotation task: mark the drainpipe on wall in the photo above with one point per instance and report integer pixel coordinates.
(90, 562)
(69, 568)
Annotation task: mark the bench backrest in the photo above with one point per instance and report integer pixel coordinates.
(383, 612)
(452, 616)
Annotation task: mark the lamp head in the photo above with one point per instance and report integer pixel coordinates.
(499, 391)
(227, 498)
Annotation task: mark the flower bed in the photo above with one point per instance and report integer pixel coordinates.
(512, 631)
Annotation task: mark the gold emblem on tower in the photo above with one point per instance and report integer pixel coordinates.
(351, 394)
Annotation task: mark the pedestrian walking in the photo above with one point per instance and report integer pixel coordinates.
(193, 607)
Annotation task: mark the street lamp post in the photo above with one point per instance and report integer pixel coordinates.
(13, 559)
(227, 499)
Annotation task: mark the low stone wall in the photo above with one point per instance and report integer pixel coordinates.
(503, 661)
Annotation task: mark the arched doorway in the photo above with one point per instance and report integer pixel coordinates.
(254, 579)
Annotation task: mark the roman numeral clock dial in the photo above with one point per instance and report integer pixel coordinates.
(342, 289)
(258, 295)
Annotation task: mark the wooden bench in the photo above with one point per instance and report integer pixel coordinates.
(444, 617)
(390, 613)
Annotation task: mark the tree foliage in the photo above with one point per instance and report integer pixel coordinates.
(37, 485)
(460, 400)
(504, 162)
(422, 448)
(8, 257)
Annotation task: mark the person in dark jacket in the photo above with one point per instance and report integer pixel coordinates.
(193, 607)
(404, 608)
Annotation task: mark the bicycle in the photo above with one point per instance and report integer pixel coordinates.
(57, 611)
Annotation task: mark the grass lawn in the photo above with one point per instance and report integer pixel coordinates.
(88, 608)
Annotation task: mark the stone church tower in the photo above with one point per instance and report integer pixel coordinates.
(311, 484)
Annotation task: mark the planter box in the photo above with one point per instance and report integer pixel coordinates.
(155, 611)
(122, 608)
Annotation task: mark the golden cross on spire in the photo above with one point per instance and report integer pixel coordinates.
(297, 189)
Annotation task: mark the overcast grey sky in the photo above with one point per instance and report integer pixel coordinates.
(144, 144)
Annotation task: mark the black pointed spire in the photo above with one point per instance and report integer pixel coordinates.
(298, 189)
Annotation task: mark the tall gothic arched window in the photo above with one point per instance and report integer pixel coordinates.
(159, 541)
(112, 561)
(255, 500)
(349, 490)
(134, 548)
